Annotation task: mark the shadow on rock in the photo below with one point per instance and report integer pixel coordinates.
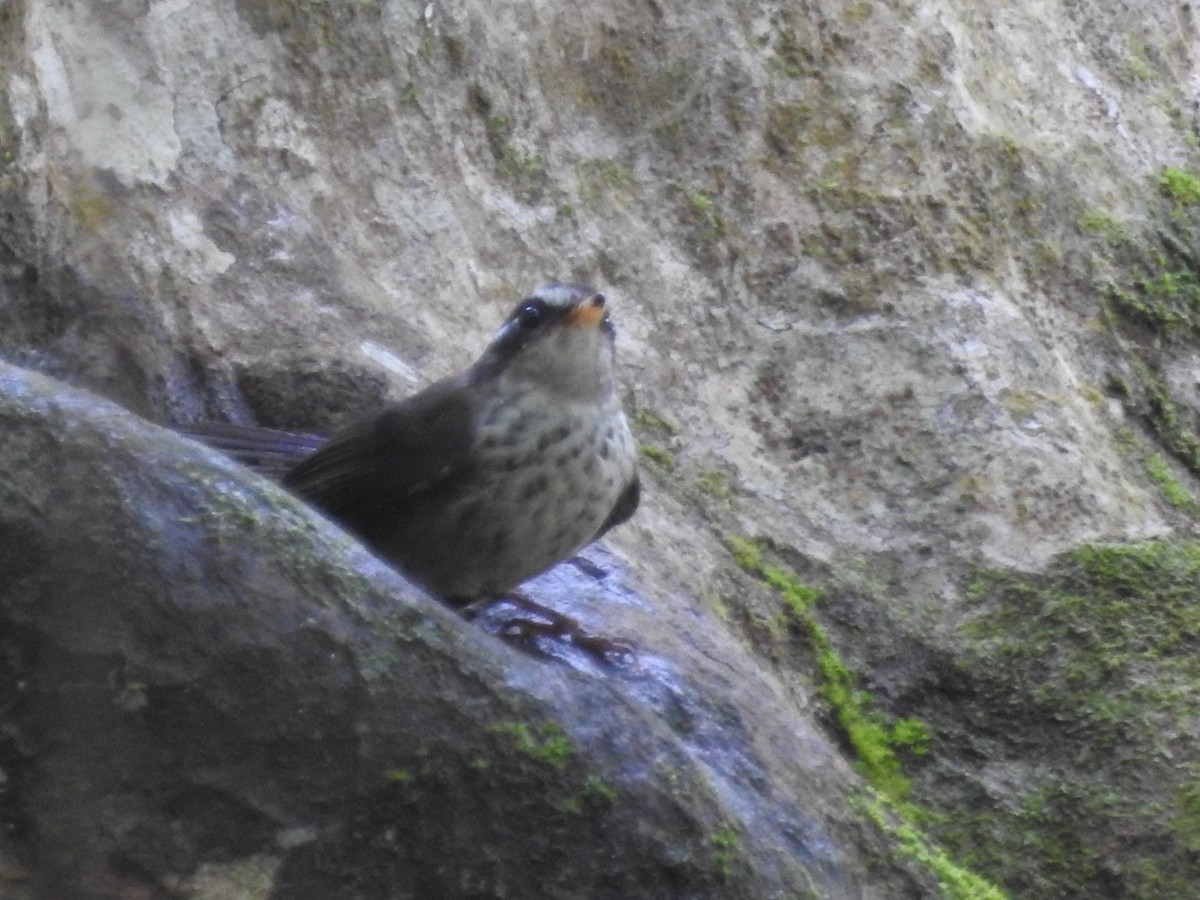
(207, 687)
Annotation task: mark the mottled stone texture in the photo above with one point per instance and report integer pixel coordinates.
(200, 673)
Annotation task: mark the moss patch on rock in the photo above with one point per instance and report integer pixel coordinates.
(1087, 678)
(880, 743)
(1152, 305)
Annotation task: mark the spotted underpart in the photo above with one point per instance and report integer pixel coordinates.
(486, 478)
(552, 464)
(572, 469)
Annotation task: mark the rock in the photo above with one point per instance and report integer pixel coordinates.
(206, 683)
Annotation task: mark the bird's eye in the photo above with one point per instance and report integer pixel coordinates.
(531, 314)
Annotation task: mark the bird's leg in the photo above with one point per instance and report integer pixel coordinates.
(555, 624)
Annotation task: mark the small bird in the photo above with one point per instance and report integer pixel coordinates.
(486, 478)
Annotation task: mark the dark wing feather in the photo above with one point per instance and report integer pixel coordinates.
(371, 469)
(267, 451)
(625, 507)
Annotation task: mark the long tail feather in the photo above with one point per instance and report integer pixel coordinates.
(268, 451)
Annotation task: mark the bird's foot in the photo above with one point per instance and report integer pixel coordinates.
(525, 632)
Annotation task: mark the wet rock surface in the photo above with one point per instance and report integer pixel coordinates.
(202, 675)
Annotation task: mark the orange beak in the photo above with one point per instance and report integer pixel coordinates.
(588, 313)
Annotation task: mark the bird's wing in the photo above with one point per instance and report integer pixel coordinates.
(624, 508)
(383, 460)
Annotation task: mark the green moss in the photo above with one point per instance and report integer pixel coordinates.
(546, 742)
(399, 776)
(527, 173)
(708, 224)
(875, 740)
(720, 608)
(1173, 491)
(1167, 419)
(727, 850)
(954, 881)
(1098, 221)
(1139, 67)
(1023, 403)
(1152, 305)
(596, 787)
(1186, 823)
(1182, 187)
(89, 204)
(605, 178)
(647, 419)
(1095, 662)
(657, 455)
(718, 485)
(1106, 614)
(646, 422)
(912, 734)
(1162, 299)
(595, 794)
(879, 743)
(797, 595)
(995, 200)
(1057, 842)
(1093, 395)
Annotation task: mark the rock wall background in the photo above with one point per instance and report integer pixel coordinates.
(906, 297)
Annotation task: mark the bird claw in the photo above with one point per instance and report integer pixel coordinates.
(524, 633)
(606, 650)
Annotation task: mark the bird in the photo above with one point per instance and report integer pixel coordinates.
(486, 478)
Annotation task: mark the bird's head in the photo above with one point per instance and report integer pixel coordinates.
(559, 338)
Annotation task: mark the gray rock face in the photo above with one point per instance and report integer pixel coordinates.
(205, 682)
(857, 256)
